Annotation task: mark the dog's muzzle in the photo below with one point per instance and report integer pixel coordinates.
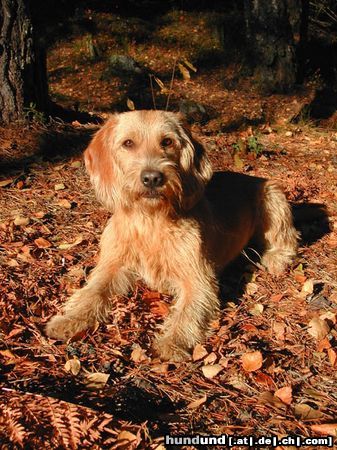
(152, 179)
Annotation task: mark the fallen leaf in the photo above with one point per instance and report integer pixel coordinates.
(125, 439)
(64, 203)
(10, 357)
(196, 403)
(267, 398)
(308, 287)
(210, 359)
(130, 104)
(332, 354)
(318, 328)
(329, 316)
(324, 344)
(76, 164)
(160, 368)
(252, 361)
(279, 330)
(7, 182)
(160, 308)
(251, 288)
(138, 354)
(257, 309)
(199, 352)
(184, 72)
(21, 221)
(285, 394)
(40, 214)
(265, 379)
(59, 187)
(96, 380)
(276, 297)
(210, 371)
(151, 296)
(238, 163)
(300, 277)
(42, 243)
(325, 428)
(66, 246)
(73, 365)
(306, 412)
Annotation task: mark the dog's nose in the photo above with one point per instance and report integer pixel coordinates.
(152, 178)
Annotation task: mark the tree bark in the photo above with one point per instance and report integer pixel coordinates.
(271, 34)
(23, 79)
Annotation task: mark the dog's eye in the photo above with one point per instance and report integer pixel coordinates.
(166, 142)
(128, 143)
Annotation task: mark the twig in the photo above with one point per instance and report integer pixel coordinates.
(171, 84)
(152, 92)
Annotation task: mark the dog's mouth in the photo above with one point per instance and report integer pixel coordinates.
(152, 194)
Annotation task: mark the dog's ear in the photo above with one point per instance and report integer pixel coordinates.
(196, 168)
(98, 158)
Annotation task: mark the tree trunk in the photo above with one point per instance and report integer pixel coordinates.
(23, 79)
(271, 33)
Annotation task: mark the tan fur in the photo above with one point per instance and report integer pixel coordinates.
(177, 236)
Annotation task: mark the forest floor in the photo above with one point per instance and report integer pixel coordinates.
(269, 368)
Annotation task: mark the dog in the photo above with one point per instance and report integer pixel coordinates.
(174, 224)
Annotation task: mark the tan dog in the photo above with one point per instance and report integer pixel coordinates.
(173, 225)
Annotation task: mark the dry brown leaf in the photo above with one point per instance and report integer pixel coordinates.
(59, 187)
(160, 368)
(325, 428)
(306, 412)
(138, 354)
(276, 297)
(256, 310)
(267, 398)
(64, 203)
(308, 287)
(285, 394)
(252, 361)
(210, 359)
(76, 164)
(199, 352)
(251, 288)
(96, 380)
(279, 330)
(67, 246)
(42, 243)
(332, 354)
(160, 308)
(196, 403)
(211, 371)
(238, 163)
(130, 104)
(73, 366)
(151, 296)
(125, 440)
(318, 328)
(324, 344)
(7, 182)
(21, 221)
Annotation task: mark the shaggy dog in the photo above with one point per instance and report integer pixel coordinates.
(174, 224)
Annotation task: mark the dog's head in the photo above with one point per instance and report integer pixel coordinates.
(147, 159)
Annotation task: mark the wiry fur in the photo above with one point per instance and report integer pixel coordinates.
(178, 236)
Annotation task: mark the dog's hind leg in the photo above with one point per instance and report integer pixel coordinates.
(277, 232)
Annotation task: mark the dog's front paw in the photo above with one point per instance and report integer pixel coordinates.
(65, 327)
(169, 350)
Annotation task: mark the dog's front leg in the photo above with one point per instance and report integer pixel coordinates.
(189, 321)
(92, 303)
